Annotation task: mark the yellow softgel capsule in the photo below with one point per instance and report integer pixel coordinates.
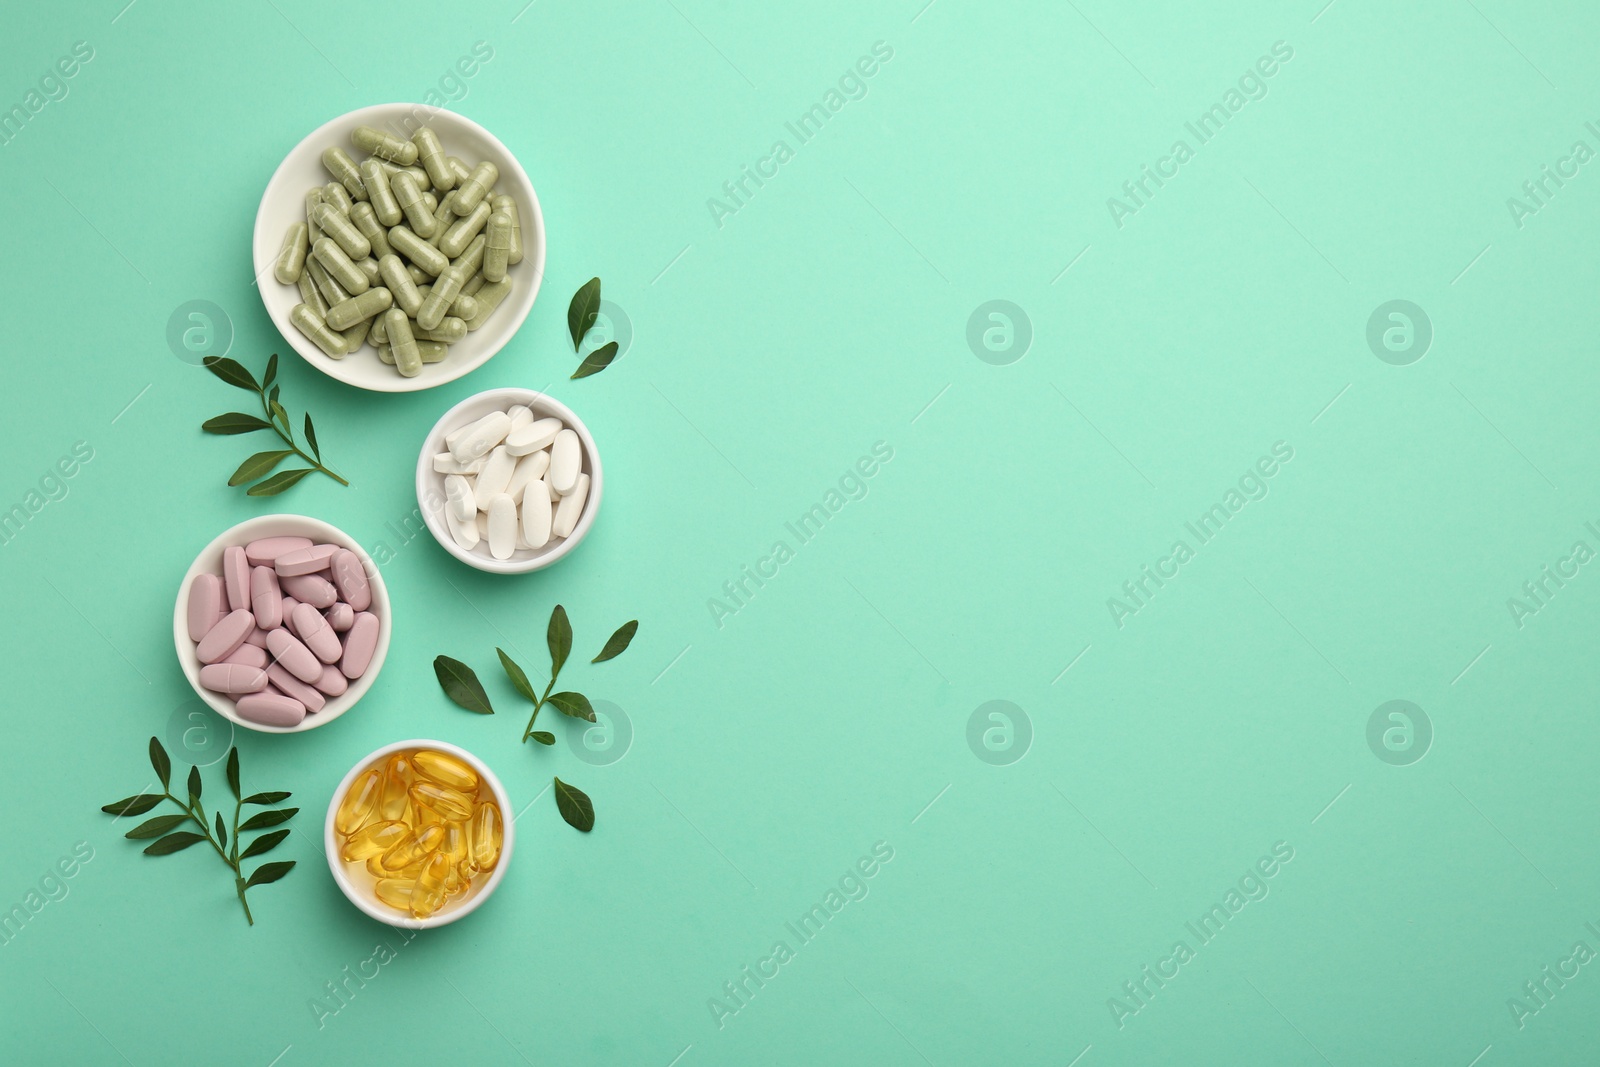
(445, 769)
(373, 839)
(453, 804)
(413, 848)
(395, 892)
(428, 890)
(484, 835)
(360, 802)
(396, 780)
(455, 842)
(376, 868)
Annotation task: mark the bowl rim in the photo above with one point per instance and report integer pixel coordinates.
(263, 261)
(375, 909)
(433, 443)
(241, 533)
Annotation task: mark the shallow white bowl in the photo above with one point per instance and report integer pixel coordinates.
(430, 483)
(284, 203)
(356, 883)
(209, 561)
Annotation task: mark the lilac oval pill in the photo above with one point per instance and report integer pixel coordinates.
(249, 655)
(318, 636)
(350, 578)
(311, 589)
(233, 678)
(225, 636)
(205, 604)
(265, 599)
(340, 616)
(257, 637)
(236, 577)
(304, 560)
(271, 709)
(289, 604)
(293, 687)
(359, 645)
(264, 551)
(296, 658)
(332, 682)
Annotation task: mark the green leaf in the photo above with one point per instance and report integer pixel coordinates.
(263, 819)
(544, 737)
(264, 843)
(617, 643)
(461, 685)
(233, 771)
(281, 415)
(157, 826)
(137, 804)
(272, 370)
(222, 833)
(278, 482)
(575, 806)
(235, 422)
(258, 465)
(583, 310)
(269, 872)
(518, 678)
(267, 798)
(311, 438)
(231, 372)
(573, 704)
(559, 637)
(596, 361)
(163, 765)
(173, 843)
(194, 784)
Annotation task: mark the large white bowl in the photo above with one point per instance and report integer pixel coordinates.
(283, 204)
(430, 483)
(356, 883)
(209, 561)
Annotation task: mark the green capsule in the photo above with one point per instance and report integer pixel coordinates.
(418, 251)
(398, 280)
(377, 336)
(461, 233)
(335, 194)
(407, 359)
(470, 261)
(344, 315)
(472, 287)
(465, 307)
(292, 256)
(418, 275)
(432, 352)
(489, 298)
(337, 162)
(444, 217)
(339, 266)
(313, 231)
(310, 295)
(384, 145)
(497, 252)
(458, 168)
(431, 154)
(337, 225)
(381, 196)
(310, 323)
(354, 337)
(476, 187)
(365, 219)
(450, 330)
(330, 291)
(410, 199)
(430, 202)
(439, 298)
(509, 206)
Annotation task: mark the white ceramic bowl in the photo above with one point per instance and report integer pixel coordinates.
(356, 883)
(283, 204)
(209, 561)
(430, 483)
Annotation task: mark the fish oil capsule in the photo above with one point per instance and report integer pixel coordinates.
(292, 256)
(509, 206)
(428, 890)
(456, 883)
(430, 153)
(394, 799)
(395, 892)
(332, 292)
(358, 309)
(450, 330)
(379, 192)
(337, 225)
(365, 218)
(476, 187)
(310, 295)
(373, 839)
(409, 874)
(339, 266)
(471, 258)
(419, 252)
(439, 298)
(360, 802)
(445, 769)
(413, 848)
(337, 162)
(497, 250)
(454, 847)
(384, 145)
(489, 298)
(310, 323)
(398, 280)
(465, 228)
(402, 344)
(484, 835)
(410, 199)
(452, 804)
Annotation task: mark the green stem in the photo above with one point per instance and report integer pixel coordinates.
(537, 704)
(198, 814)
(288, 439)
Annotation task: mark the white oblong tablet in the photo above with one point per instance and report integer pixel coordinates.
(458, 496)
(502, 526)
(570, 508)
(495, 476)
(532, 437)
(566, 459)
(536, 515)
(521, 415)
(530, 468)
(446, 463)
(463, 531)
(484, 435)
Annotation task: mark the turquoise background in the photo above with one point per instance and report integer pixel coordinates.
(831, 712)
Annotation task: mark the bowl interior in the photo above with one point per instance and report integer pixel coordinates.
(283, 204)
(430, 483)
(356, 882)
(209, 561)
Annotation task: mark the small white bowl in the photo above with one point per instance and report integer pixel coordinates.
(430, 483)
(209, 561)
(283, 204)
(356, 883)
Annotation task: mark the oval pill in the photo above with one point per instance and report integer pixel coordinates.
(350, 578)
(502, 526)
(536, 514)
(540, 433)
(206, 598)
(236, 577)
(263, 551)
(530, 468)
(248, 655)
(313, 630)
(257, 637)
(333, 682)
(358, 309)
(464, 532)
(312, 589)
(307, 560)
(418, 251)
(458, 496)
(570, 508)
(286, 608)
(225, 636)
(292, 687)
(292, 256)
(233, 678)
(359, 645)
(566, 456)
(341, 617)
(495, 477)
(485, 434)
(295, 657)
(271, 709)
(384, 145)
(266, 599)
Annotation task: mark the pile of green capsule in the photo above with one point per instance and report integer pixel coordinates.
(411, 258)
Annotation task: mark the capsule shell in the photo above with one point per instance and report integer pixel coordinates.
(310, 323)
(445, 769)
(313, 231)
(439, 298)
(336, 195)
(451, 804)
(476, 187)
(310, 295)
(402, 344)
(374, 839)
(497, 251)
(395, 892)
(360, 802)
(365, 218)
(409, 196)
(397, 279)
(392, 804)
(471, 258)
(384, 145)
(379, 193)
(460, 169)
(484, 837)
(430, 153)
(292, 256)
(358, 308)
(450, 330)
(419, 252)
(337, 224)
(339, 266)
(489, 298)
(331, 291)
(429, 891)
(413, 847)
(461, 233)
(338, 163)
(509, 206)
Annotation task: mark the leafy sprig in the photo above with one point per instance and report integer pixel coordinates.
(277, 420)
(581, 315)
(170, 839)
